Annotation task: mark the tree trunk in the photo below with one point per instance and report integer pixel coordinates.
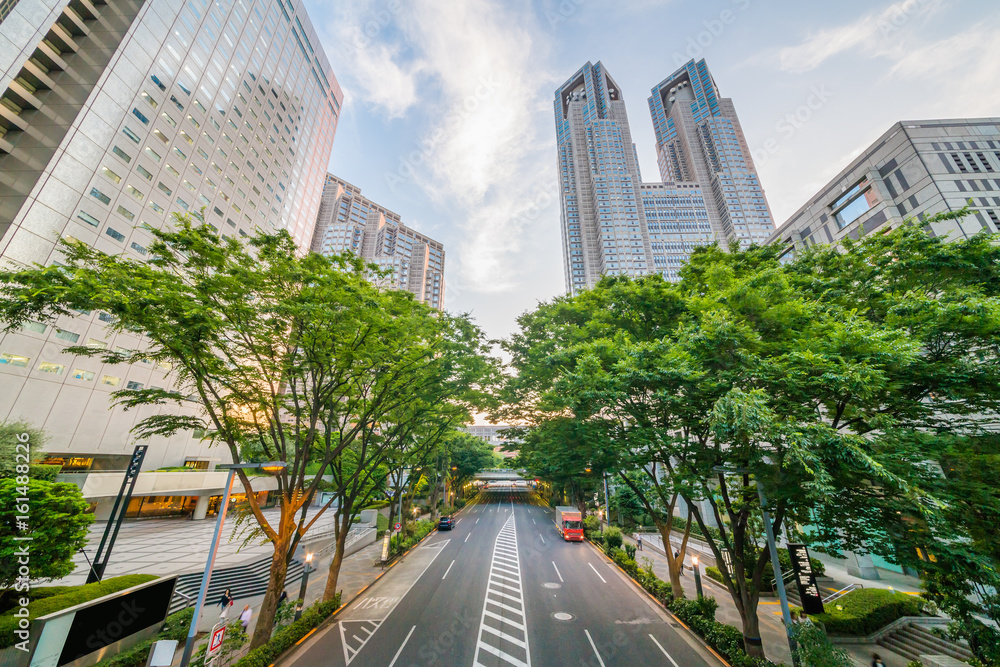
(343, 528)
(276, 583)
(673, 564)
(751, 630)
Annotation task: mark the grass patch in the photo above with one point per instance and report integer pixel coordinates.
(867, 610)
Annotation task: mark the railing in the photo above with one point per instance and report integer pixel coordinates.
(842, 592)
(351, 539)
(189, 601)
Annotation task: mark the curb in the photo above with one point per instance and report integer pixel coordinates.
(659, 604)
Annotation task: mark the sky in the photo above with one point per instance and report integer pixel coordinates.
(448, 110)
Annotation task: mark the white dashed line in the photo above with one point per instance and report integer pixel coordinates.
(557, 572)
(664, 650)
(596, 572)
(594, 646)
(396, 657)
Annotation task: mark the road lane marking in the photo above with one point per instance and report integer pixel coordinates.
(448, 570)
(596, 572)
(594, 646)
(542, 539)
(503, 625)
(396, 657)
(477, 520)
(557, 572)
(657, 646)
(467, 537)
(533, 521)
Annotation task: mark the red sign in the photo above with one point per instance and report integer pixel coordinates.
(215, 643)
(399, 526)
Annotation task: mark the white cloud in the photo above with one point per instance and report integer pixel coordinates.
(873, 35)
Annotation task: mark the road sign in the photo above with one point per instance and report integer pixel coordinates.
(398, 527)
(218, 634)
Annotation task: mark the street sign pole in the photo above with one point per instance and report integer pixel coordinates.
(779, 583)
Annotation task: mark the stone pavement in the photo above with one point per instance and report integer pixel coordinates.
(175, 546)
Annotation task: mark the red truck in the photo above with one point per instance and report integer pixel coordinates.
(569, 523)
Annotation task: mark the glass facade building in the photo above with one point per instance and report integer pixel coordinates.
(612, 222)
(113, 116)
(349, 221)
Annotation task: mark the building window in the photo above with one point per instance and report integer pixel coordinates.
(132, 385)
(116, 235)
(854, 203)
(153, 154)
(130, 134)
(83, 375)
(49, 367)
(145, 173)
(89, 219)
(100, 196)
(14, 360)
(122, 154)
(125, 213)
(138, 248)
(36, 327)
(110, 175)
(68, 336)
(111, 381)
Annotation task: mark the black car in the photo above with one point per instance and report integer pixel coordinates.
(445, 523)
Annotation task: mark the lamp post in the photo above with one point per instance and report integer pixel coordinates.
(697, 576)
(786, 615)
(305, 584)
(272, 467)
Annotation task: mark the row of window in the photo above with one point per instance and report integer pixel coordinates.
(52, 368)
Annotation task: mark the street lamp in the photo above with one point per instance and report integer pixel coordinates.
(697, 576)
(302, 589)
(786, 614)
(272, 467)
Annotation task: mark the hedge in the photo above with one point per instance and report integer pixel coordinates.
(418, 529)
(286, 637)
(867, 610)
(175, 627)
(72, 596)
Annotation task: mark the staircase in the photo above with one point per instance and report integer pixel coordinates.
(913, 640)
(243, 581)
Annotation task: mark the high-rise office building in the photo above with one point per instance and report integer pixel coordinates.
(612, 223)
(916, 169)
(699, 139)
(349, 221)
(113, 116)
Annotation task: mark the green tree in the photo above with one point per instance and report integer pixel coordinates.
(264, 342)
(57, 522)
(467, 455)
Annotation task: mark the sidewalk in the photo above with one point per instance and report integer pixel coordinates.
(772, 631)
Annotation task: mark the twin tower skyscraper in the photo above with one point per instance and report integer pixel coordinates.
(612, 222)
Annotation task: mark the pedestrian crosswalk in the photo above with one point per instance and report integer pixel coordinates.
(503, 629)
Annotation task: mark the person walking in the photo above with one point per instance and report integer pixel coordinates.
(638, 541)
(877, 661)
(245, 618)
(677, 554)
(282, 598)
(226, 601)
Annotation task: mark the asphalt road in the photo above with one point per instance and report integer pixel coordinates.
(503, 589)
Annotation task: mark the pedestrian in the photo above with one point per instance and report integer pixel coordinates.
(677, 554)
(877, 661)
(226, 601)
(245, 617)
(638, 541)
(282, 598)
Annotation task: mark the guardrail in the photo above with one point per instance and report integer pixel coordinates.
(842, 592)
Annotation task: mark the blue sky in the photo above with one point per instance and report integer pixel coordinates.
(448, 116)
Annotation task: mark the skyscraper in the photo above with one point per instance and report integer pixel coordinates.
(113, 116)
(349, 221)
(699, 139)
(603, 227)
(612, 223)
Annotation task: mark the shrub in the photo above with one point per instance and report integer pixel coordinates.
(866, 610)
(591, 526)
(418, 530)
(69, 597)
(175, 627)
(285, 638)
(44, 473)
(815, 650)
(613, 538)
(630, 550)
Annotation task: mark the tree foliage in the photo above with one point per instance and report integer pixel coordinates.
(817, 382)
